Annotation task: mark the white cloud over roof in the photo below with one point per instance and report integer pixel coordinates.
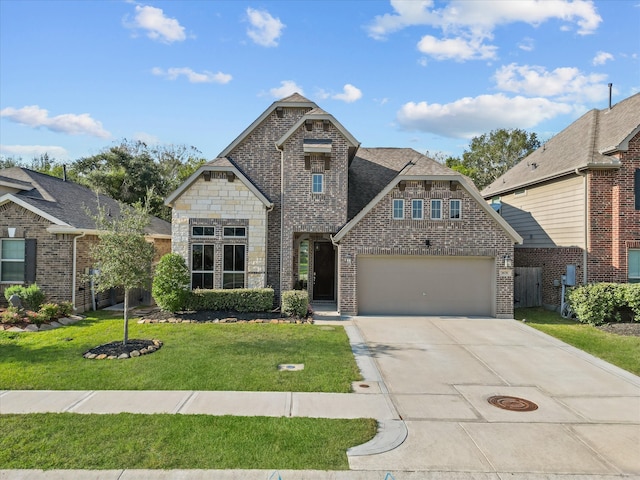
(193, 77)
(472, 116)
(286, 88)
(350, 94)
(265, 30)
(33, 150)
(601, 58)
(157, 25)
(69, 123)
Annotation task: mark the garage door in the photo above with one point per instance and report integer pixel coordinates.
(409, 285)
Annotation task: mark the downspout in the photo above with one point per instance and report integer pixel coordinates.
(268, 210)
(74, 273)
(586, 226)
(281, 150)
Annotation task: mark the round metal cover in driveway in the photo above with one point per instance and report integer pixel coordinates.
(512, 403)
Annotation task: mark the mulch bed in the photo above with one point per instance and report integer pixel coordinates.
(628, 329)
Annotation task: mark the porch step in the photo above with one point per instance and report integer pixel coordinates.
(325, 311)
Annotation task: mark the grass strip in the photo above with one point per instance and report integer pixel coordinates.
(622, 351)
(240, 357)
(74, 441)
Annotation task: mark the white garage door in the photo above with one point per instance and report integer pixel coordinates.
(409, 285)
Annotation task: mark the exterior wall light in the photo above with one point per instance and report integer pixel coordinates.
(507, 261)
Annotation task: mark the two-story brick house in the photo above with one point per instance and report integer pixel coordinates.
(47, 229)
(576, 201)
(294, 201)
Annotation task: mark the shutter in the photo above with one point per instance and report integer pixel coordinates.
(637, 188)
(30, 260)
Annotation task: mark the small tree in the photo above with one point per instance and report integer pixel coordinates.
(123, 256)
(171, 283)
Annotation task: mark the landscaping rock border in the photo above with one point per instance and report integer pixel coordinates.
(120, 351)
(32, 327)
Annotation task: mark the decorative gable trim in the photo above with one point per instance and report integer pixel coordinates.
(229, 172)
(324, 117)
(428, 179)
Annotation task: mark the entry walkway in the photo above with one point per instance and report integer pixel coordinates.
(427, 381)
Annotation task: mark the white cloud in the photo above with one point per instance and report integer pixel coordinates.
(286, 88)
(466, 25)
(147, 138)
(33, 150)
(193, 77)
(70, 123)
(158, 26)
(456, 49)
(469, 117)
(527, 44)
(564, 83)
(350, 94)
(265, 30)
(601, 58)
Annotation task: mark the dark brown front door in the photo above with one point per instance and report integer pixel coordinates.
(324, 271)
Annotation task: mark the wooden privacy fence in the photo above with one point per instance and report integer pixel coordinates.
(527, 287)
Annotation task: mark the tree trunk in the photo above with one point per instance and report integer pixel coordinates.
(126, 316)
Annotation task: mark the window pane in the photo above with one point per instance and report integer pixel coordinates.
(233, 280)
(196, 257)
(436, 209)
(207, 280)
(239, 258)
(12, 272)
(196, 280)
(398, 209)
(417, 209)
(454, 209)
(235, 232)
(634, 264)
(12, 249)
(228, 257)
(197, 231)
(317, 183)
(208, 257)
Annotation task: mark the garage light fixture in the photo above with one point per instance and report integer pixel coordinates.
(427, 243)
(348, 259)
(507, 261)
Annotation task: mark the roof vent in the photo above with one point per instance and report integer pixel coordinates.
(533, 165)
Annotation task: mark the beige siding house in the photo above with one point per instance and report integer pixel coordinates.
(576, 201)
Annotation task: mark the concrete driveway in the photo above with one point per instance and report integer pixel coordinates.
(439, 373)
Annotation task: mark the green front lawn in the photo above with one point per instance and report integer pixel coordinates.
(623, 351)
(74, 441)
(194, 357)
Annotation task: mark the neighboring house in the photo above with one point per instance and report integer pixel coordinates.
(46, 235)
(294, 202)
(576, 201)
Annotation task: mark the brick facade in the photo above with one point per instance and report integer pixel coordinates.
(474, 234)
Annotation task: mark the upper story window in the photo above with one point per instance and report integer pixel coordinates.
(235, 232)
(436, 209)
(398, 209)
(634, 266)
(203, 231)
(317, 183)
(417, 209)
(455, 209)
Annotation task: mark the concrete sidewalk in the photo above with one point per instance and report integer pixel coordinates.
(426, 381)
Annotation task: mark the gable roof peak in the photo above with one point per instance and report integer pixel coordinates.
(294, 98)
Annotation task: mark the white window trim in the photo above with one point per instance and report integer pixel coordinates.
(459, 208)
(212, 271)
(12, 260)
(629, 277)
(393, 208)
(203, 227)
(417, 200)
(244, 267)
(434, 200)
(313, 183)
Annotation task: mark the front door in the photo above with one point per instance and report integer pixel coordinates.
(324, 271)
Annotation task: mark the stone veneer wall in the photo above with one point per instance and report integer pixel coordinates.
(219, 202)
(475, 234)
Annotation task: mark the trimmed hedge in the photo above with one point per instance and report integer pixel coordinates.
(238, 300)
(295, 302)
(600, 303)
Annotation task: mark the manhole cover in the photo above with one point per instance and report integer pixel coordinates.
(512, 403)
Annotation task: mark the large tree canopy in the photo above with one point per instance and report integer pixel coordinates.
(491, 155)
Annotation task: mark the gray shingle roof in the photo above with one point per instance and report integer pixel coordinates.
(581, 145)
(68, 201)
(373, 169)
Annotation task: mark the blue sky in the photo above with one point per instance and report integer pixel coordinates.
(78, 76)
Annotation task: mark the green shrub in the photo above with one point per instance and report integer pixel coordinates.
(31, 296)
(66, 309)
(599, 303)
(295, 302)
(239, 299)
(48, 312)
(170, 287)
